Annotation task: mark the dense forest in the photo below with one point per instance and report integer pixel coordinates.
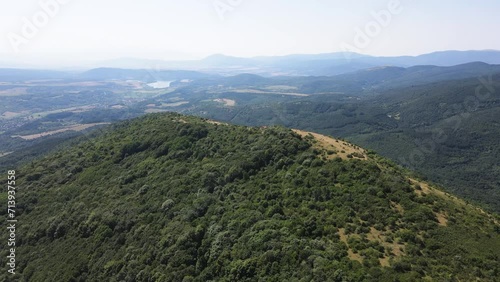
(167, 197)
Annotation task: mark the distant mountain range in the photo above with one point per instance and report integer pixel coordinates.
(295, 65)
(317, 64)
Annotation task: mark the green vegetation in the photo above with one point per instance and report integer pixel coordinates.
(442, 130)
(167, 197)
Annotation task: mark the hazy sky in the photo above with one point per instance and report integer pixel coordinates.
(184, 29)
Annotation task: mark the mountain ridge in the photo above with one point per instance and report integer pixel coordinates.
(300, 64)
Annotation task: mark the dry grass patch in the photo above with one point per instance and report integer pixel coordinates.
(397, 207)
(379, 236)
(8, 115)
(427, 189)
(78, 127)
(151, 111)
(216, 122)
(384, 261)
(226, 102)
(442, 219)
(350, 252)
(256, 91)
(17, 91)
(375, 235)
(341, 148)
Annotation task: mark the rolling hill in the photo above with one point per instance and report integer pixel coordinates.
(168, 197)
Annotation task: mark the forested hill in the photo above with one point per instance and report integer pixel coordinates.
(168, 197)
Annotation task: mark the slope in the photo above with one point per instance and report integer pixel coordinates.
(174, 198)
(447, 130)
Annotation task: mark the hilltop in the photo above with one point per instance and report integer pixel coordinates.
(168, 197)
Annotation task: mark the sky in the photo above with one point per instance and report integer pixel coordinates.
(69, 31)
